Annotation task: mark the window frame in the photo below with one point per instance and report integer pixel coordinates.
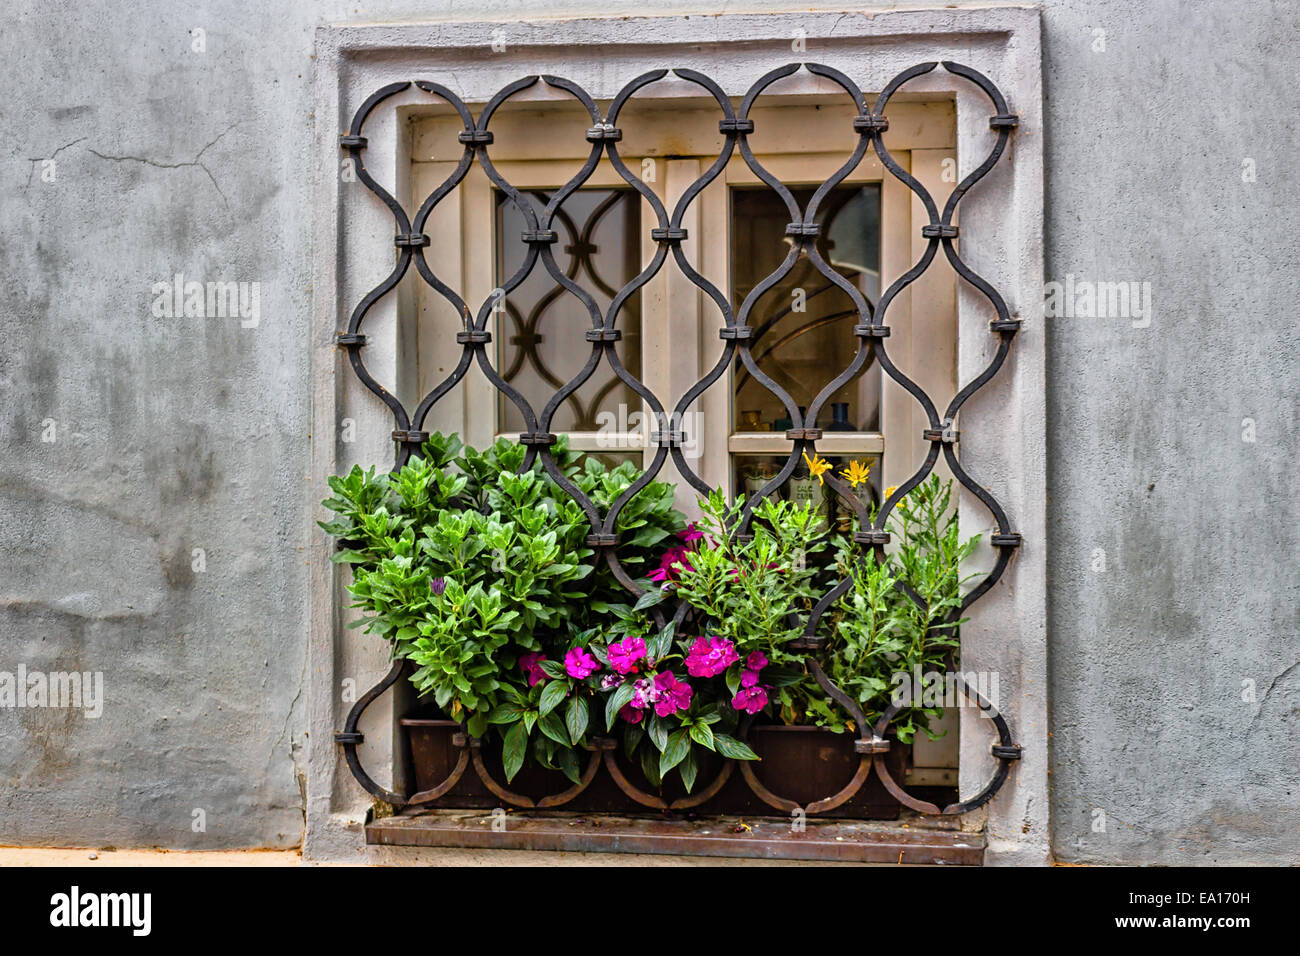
(1002, 234)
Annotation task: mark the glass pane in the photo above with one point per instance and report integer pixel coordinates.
(540, 331)
(803, 326)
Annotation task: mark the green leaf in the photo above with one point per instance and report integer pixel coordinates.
(702, 734)
(657, 728)
(688, 770)
(575, 718)
(554, 669)
(616, 702)
(679, 745)
(568, 763)
(650, 599)
(661, 643)
(731, 747)
(553, 727)
(650, 766)
(516, 744)
(632, 734)
(553, 695)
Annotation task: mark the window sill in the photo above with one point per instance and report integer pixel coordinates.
(910, 840)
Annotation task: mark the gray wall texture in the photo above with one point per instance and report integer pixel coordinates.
(154, 493)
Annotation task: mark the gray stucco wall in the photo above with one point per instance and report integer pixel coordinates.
(175, 434)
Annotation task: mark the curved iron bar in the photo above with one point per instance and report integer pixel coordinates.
(737, 336)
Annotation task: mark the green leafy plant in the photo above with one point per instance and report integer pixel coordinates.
(479, 573)
(757, 594)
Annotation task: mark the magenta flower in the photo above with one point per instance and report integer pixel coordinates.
(673, 695)
(579, 664)
(750, 699)
(755, 661)
(632, 714)
(710, 656)
(624, 654)
(666, 572)
(532, 667)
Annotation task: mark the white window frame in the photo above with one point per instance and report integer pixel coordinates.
(1003, 426)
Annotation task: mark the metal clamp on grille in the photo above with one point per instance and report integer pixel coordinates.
(948, 435)
(668, 235)
(938, 231)
(869, 124)
(875, 745)
(410, 436)
(871, 537)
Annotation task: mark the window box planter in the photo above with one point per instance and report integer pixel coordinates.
(803, 766)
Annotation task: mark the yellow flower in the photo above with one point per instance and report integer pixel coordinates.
(817, 466)
(856, 473)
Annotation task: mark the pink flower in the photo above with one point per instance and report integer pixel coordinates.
(750, 699)
(673, 695)
(624, 654)
(755, 661)
(666, 572)
(710, 656)
(632, 714)
(532, 667)
(579, 664)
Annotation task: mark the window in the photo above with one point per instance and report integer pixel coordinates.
(803, 326)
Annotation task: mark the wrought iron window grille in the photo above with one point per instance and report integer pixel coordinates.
(736, 334)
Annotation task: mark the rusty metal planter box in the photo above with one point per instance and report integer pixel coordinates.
(802, 768)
